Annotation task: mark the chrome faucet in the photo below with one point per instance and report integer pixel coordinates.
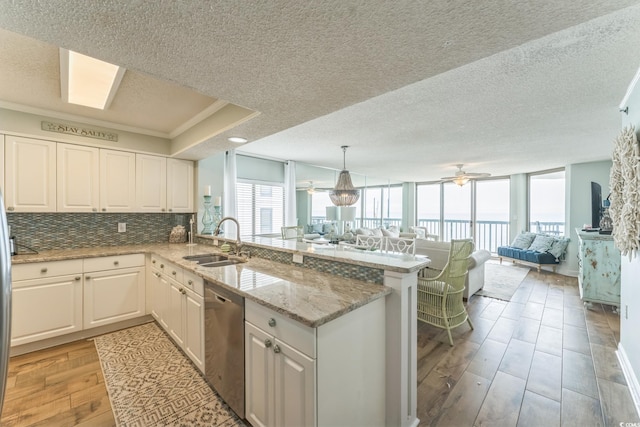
(230, 218)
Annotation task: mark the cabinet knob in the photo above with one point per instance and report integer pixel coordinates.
(161, 265)
(272, 322)
(276, 348)
(190, 282)
(77, 278)
(104, 209)
(163, 209)
(43, 270)
(94, 209)
(182, 291)
(170, 210)
(174, 273)
(87, 277)
(116, 262)
(11, 208)
(153, 261)
(267, 343)
(156, 274)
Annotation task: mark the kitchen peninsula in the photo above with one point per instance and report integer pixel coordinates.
(370, 291)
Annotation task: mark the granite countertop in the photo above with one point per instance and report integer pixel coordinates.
(308, 296)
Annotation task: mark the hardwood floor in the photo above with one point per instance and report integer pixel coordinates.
(60, 386)
(541, 359)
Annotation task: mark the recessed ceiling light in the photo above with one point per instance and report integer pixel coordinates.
(88, 81)
(237, 139)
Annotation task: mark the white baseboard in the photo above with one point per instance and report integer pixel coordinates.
(630, 376)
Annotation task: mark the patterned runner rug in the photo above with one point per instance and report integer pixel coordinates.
(151, 383)
(502, 280)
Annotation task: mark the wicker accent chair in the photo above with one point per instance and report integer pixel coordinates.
(440, 298)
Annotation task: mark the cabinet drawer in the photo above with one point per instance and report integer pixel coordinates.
(194, 282)
(173, 271)
(39, 270)
(297, 335)
(111, 262)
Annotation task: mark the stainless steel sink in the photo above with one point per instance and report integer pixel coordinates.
(212, 260)
(206, 258)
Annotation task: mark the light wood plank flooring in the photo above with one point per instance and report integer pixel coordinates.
(60, 386)
(539, 360)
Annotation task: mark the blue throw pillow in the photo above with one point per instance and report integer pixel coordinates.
(541, 243)
(559, 246)
(523, 240)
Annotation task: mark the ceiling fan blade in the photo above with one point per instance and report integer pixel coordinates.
(476, 175)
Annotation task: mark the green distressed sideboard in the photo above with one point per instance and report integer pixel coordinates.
(599, 268)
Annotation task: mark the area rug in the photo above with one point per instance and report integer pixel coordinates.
(152, 383)
(502, 280)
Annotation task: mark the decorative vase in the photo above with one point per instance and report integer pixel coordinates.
(207, 218)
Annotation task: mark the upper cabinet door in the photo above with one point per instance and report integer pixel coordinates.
(179, 185)
(151, 183)
(78, 178)
(117, 181)
(30, 175)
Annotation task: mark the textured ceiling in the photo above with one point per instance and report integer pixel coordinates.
(413, 87)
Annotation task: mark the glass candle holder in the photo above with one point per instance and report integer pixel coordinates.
(207, 217)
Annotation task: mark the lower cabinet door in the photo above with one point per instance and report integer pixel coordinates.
(113, 295)
(194, 331)
(259, 379)
(45, 308)
(295, 387)
(175, 313)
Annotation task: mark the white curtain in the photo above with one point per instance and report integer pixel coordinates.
(290, 216)
(229, 202)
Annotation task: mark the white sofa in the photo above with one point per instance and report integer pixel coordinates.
(438, 253)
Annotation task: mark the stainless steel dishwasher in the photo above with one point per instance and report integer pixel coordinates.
(224, 344)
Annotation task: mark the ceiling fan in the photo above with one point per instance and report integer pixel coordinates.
(461, 177)
(310, 188)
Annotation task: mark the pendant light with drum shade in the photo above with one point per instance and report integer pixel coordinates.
(344, 193)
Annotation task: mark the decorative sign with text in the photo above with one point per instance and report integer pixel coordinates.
(79, 131)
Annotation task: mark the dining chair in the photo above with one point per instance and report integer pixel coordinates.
(401, 245)
(371, 242)
(293, 232)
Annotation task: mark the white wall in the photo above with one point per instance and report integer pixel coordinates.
(578, 178)
(630, 280)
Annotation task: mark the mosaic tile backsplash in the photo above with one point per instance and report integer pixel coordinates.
(46, 231)
(342, 269)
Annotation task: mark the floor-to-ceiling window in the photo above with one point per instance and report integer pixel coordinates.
(478, 210)
(428, 207)
(260, 207)
(319, 202)
(546, 202)
(492, 214)
(381, 206)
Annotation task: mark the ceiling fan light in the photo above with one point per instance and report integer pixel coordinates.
(460, 180)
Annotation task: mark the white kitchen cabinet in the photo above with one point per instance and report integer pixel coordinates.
(30, 175)
(78, 175)
(151, 183)
(159, 288)
(178, 306)
(292, 371)
(117, 181)
(280, 382)
(114, 289)
(47, 300)
(179, 185)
